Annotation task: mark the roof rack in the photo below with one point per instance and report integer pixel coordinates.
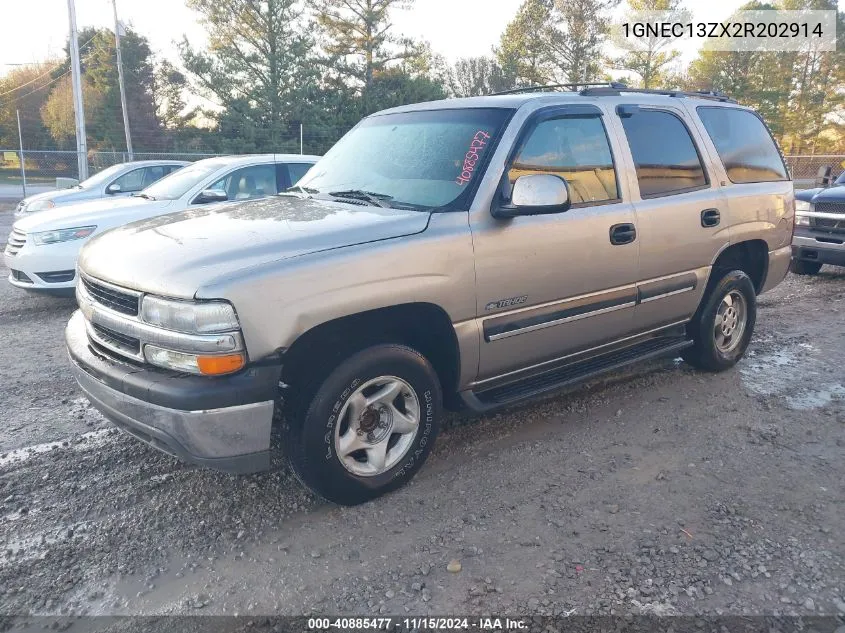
(713, 95)
(615, 88)
(574, 87)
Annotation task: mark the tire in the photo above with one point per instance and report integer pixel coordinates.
(731, 298)
(334, 441)
(800, 267)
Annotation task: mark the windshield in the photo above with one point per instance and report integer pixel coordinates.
(101, 177)
(841, 179)
(180, 182)
(426, 158)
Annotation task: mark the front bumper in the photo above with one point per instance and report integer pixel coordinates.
(45, 268)
(816, 246)
(223, 423)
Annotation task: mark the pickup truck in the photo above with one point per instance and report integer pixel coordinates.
(819, 228)
(469, 253)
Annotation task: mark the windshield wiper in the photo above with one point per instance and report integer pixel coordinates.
(146, 196)
(375, 199)
(301, 189)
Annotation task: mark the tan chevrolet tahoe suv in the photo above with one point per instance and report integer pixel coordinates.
(465, 253)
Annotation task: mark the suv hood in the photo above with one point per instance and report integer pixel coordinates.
(105, 213)
(176, 254)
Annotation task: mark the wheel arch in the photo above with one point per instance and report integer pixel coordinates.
(425, 327)
(749, 256)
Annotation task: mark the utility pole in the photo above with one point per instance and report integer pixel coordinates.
(120, 81)
(20, 141)
(78, 108)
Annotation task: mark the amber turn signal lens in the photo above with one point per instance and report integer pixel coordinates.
(217, 365)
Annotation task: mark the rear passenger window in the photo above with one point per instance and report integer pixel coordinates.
(664, 154)
(744, 144)
(575, 148)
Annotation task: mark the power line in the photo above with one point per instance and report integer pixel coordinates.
(8, 103)
(31, 81)
(44, 74)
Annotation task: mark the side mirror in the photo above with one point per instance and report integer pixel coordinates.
(113, 188)
(824, 176)
(211, 195)
(536, 194)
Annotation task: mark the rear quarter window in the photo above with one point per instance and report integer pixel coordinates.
(744, 145)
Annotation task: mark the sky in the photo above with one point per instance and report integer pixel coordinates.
(35, 30)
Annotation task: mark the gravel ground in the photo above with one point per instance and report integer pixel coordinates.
(660, 491)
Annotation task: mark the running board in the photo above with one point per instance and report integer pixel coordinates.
(571, 374)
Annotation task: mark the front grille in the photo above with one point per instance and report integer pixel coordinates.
(21, 277)
(15, 242)
(57, 276)
(827, 225)
(120, 341)
(110, 297)
(829, 207)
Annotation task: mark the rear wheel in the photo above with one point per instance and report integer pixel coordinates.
(722, 327)
(801, 267)
(368, 427)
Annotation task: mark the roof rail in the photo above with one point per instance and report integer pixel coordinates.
(615, 88)
(620, 88)
(573, 87)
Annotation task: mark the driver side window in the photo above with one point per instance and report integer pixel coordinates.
(575, 148)
(130, 181)
(248, 183)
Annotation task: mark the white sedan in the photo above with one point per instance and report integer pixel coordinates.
(113, 182)
(42, 248)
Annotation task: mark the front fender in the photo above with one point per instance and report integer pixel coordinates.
(279, 301)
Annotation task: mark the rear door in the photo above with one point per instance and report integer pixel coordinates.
(680, 212)
(758, 188)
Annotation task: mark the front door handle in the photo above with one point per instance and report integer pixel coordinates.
(710, 218)
(622, 234)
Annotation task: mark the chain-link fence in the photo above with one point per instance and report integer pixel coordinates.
(50, 169)
(805, 169)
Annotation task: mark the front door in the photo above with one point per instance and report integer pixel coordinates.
(550, 285)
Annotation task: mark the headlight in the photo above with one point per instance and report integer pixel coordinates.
(193, 363)
(187, 316)
(802, 205)
(38, 205)
(802, 220)
(63, 235)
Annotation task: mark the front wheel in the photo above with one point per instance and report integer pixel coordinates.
(369, 426)
(801, 267)
(722, 327)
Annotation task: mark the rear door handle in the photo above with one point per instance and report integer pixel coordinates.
(710, 217)
(622, 234)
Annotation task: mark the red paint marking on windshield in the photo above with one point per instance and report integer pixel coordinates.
(479, 142)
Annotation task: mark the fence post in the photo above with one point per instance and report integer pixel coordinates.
(301, 146)
(23, 159)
